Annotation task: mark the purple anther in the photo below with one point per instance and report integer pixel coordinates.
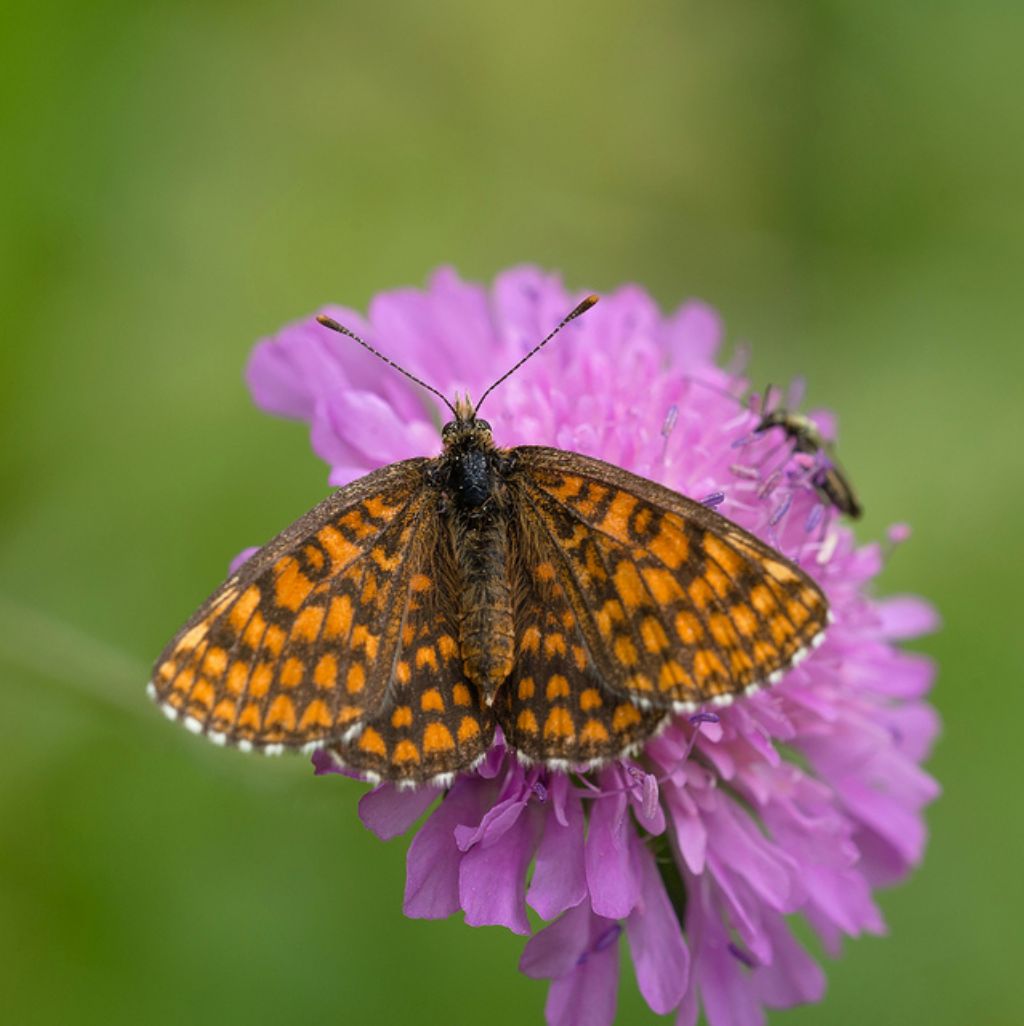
(782, 510)
(742, 956)
(670, 420)
(814, 517)
(713, 500)
(704, 717)
(540, 791)
(607, 939)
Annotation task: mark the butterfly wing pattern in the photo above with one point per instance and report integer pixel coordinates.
(297, 647)
(677, 605)
(400, 621)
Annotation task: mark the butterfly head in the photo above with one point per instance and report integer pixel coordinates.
(467, 430)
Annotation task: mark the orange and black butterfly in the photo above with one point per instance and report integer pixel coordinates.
(826, 476)
(414, 611)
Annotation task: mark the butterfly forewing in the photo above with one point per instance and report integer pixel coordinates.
(678, 606)
(299, 644)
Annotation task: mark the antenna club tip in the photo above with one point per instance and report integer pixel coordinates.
(328, 322)
(589, 301)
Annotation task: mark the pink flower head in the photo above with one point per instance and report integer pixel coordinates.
(693, 855)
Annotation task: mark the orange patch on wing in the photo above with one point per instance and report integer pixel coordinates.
(594, 732)
(406, 751)
(544, 572)
(340, 550)
(224, 713)
(616, 520)
(387, 563)
(431, 701)
(468, 729)
(724, 555)
(281, 713)
(707, 665)
(530, 641)
(673, 674)
(355, 679)
(625, 651)
(259, 682)
(722, 629)
(426, 656)
(554, 644)
(558, 687)
(762, 599)
(608, 615)
(274, 639)
(526, 688)
(798, 612)
(308, 622)
(447, 646)
(292, 673)
(339, 617)
(653, 634)
(372, 743)
(215, 661)
(624, 717)
(291, 585)
(664, 588)
(420, 582)
(461, 695)
(202, 694)
(591, 699)
(579, 657)
(670, 546)
(254, 630)
(237, 676)
(376, 507)
(316, 715)
(744, 619)
(184, 680)
(244, 607)
(326, 673)
(630, 587)
(700, 592)
(249, 718)
(362, 638)
(438, 738)
(401, 717)
(559, 724)
(527, 722)
(402, 672)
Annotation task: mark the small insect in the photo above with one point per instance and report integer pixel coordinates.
(826, 475)
(570, 602)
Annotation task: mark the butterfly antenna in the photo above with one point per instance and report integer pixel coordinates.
(581, 309)
(330, 322)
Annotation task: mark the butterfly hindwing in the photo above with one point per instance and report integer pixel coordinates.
(554, 708)
(297, 646)
(432, 722)
(678, 606)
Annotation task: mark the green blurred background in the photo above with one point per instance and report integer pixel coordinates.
(842, 179)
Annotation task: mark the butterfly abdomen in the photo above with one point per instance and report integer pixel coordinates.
(486, 633)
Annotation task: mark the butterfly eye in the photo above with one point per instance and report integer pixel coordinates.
(483, 424)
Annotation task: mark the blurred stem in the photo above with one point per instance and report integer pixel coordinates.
(50, 648)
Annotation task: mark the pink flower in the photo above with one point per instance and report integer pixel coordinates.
(795, 801)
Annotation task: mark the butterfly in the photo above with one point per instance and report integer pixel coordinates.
(827, 477)
(410, 614)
